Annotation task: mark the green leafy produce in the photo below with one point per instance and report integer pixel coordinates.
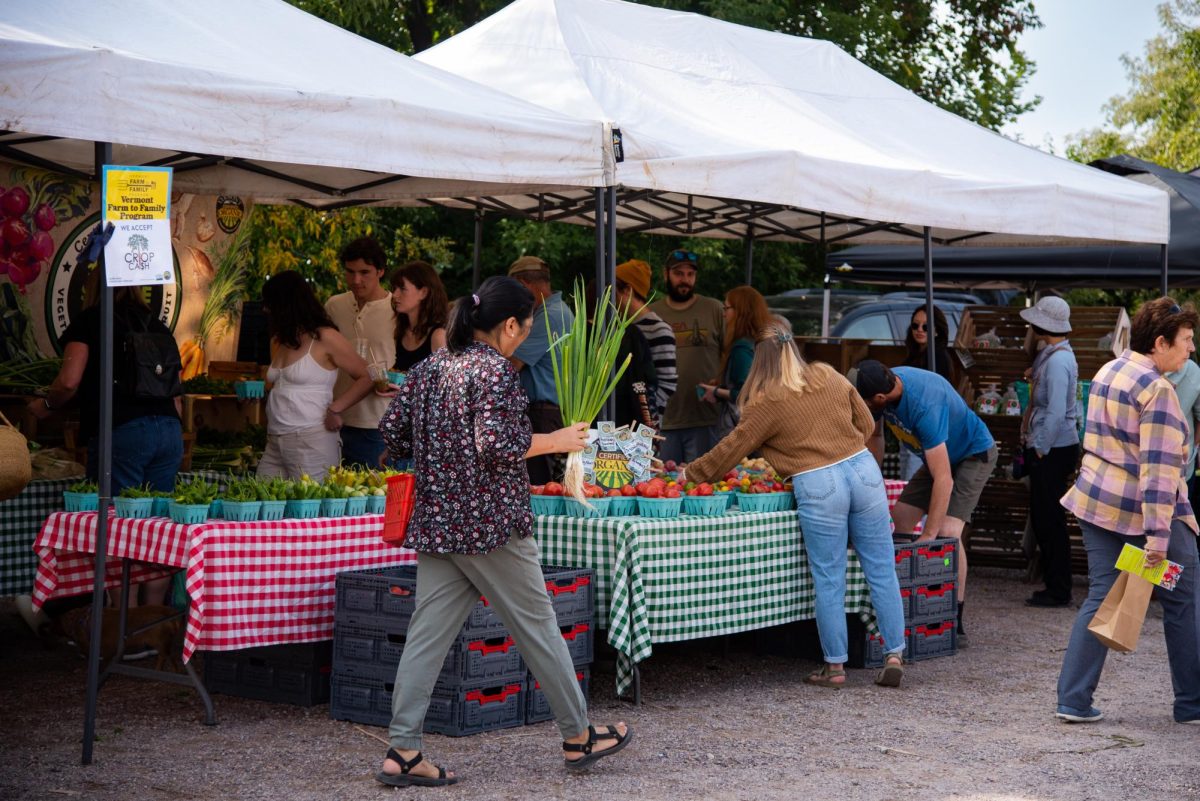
(584, 360)
(273, 489)
(84, 486)
(203, 385)
(142, 491)
(21, 377)
(196, 491)
(305, 490)
(242, 490)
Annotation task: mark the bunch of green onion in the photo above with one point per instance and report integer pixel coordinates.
(583, 358)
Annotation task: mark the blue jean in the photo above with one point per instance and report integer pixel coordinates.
(361, 446)
(685, 444)
(845, 503)
(145, 450)
(1085, 654)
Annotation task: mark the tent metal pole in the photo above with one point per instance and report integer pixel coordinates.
(601, 238)
(477, 249)
(825, 306)
(827, 286)
(103, 155)
(610, 276)
(1162, 268)
(931, 328)
(749, 254)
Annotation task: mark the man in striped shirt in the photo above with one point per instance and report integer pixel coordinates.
(633, 288)
(1131, 490)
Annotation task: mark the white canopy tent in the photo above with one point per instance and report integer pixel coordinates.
(257, 98)
(734, 131)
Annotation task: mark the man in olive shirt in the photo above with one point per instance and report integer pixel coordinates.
(365, 317)
(689, 424)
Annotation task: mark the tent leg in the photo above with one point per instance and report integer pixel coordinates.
(103, 155)
(477, 249)
(1162, 268)
(931, 350)
(749, 254)
(609, 277)
(825, 307)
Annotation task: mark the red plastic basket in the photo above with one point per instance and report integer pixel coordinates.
(400, 491)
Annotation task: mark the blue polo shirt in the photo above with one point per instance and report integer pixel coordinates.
(930, 413)
(537, 376)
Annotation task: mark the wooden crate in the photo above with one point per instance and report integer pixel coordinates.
(998, 525)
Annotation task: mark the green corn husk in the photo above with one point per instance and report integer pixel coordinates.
(583, 359)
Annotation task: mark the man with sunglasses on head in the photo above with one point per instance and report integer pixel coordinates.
(929, 418)
(689, 424)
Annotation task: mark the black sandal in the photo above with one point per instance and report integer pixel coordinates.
(406, 779)
(589, 754)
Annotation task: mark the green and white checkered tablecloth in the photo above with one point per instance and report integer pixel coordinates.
(21, 519)
(691, 577)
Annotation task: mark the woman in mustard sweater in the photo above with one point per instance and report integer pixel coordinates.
(811, 424)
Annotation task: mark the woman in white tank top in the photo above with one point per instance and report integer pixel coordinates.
(303, 417)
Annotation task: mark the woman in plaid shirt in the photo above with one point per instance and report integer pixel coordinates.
(1131, 490)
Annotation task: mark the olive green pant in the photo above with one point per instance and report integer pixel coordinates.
(448, 587)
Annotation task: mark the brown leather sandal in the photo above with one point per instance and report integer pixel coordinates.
(892, 671)
(827, 677)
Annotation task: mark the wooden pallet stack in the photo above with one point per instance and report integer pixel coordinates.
(998, 525)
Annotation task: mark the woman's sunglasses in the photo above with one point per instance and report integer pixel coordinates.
(919, 326)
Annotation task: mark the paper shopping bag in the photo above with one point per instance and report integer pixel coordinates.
(1118, 621)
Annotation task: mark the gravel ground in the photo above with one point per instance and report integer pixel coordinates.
(722, 719)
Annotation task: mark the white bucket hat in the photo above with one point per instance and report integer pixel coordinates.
(1049, 314)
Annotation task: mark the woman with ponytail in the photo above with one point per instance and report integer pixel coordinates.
(460, 415)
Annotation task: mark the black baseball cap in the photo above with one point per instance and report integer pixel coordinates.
(871, 378)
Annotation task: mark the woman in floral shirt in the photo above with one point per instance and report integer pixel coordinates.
(460, 415)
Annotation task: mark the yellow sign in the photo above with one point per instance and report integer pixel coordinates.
(137, 201)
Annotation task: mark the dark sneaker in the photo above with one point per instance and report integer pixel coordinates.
(961, 640)
(1045, 600)
(1066, 713)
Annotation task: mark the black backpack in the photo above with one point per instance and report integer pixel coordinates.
(150, 366)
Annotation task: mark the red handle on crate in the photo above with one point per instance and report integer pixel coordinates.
(490, 695)
(577, 629)
(492, 646)
(905, 592)
(935, 590)
(558, 589)
(902, 555)
(403, 592)
(939, 551)
(935, 630)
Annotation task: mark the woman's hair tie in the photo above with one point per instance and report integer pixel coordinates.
(784, 337)
(475, 298)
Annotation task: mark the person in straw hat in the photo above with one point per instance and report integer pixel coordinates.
(1050, 437)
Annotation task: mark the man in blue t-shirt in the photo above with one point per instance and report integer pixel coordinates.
(958, 453)
(532, 360)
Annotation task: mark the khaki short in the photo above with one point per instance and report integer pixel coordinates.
(970, 476)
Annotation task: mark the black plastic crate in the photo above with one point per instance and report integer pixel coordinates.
(375, 651)
(572, 591)
(935, 561)
(579, 641)
(387, 596)
(361, 699)
(537, 708)
(931, 640)
(454, 710)
(904, 563)
(872, 650)
(906, 603)
(285, 674)
(457, 711)
(934, 602)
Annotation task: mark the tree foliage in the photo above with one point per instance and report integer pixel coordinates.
(1158, 119)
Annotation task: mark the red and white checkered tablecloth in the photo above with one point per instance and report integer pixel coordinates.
(893, 489)
(251, 584)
